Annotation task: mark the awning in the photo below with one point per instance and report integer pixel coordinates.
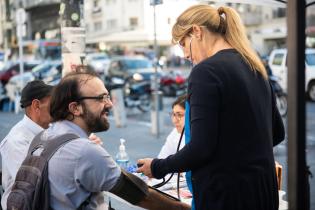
(132, 37)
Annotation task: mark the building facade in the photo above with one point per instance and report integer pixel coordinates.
(42, 20)
(130, 23)
(6, 26)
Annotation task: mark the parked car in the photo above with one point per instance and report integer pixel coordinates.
(278, 65)
(98, 61)
(14, 69)
(137, 67)
(47, 71)
(2, 60)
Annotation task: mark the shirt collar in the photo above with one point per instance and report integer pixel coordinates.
(31, 125)
(71, 127)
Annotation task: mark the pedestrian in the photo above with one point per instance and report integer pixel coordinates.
(178, 119)
(35, 99)
(233, 119)
(80, 170)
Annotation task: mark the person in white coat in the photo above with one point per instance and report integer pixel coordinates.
(178, 120)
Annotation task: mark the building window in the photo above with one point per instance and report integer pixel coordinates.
(96, 3)
(96, 6)
(278, 13)
(133, 21)
(98, 26)
(112, 23)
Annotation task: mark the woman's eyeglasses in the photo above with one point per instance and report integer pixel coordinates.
(176, 115)
(101, 98)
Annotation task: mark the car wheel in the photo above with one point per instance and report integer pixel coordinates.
(282, 104)
(145, 103)
(311, 91)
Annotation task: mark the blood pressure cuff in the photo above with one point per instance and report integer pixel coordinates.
(130, 188)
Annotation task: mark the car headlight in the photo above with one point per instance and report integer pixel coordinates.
(137, 77)
(98, 65)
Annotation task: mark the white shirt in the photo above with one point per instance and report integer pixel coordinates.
(171, 143)
(13, 149)
(169, 148)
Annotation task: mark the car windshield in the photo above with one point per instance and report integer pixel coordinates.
(310, 59)
(132, 64)
(42, 67)
(99, 57)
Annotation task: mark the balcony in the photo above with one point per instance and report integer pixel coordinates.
(96, 10)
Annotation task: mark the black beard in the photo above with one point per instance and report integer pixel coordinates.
(95, 123)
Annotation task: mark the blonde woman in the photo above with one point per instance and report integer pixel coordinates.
(233, 119)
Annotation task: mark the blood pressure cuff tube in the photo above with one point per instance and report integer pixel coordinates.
(130, 188)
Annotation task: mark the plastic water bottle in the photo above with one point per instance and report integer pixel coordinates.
(122, 158)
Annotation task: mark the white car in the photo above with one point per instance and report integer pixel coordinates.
(278, 65)
(99, 62)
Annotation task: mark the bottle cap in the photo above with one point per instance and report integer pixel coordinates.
(122, 146)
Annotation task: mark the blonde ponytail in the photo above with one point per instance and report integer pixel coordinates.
(235, 35)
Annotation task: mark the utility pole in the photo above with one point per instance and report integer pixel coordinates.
(5, 18)
(298, 177)
(155, 118)
(72, 34)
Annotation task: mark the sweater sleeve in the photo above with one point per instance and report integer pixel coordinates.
(204, 98)
(277, 123)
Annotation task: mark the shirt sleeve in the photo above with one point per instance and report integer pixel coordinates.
(13, 154)
(204, 97)
(96, 170)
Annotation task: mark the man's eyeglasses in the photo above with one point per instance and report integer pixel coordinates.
(101, 98)
(176, 115)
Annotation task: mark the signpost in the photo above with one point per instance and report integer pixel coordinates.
(72, 34)
(20, 31)
(155, 112)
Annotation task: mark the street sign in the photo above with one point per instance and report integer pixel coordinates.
(21, 30)
(155, 2)
(20, 16)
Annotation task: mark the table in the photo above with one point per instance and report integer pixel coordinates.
(171, 188)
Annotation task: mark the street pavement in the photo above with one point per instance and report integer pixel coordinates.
(141, 143)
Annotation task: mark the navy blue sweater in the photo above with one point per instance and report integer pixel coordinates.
(234, 125)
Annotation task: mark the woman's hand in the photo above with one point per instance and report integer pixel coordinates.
(144, 166)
